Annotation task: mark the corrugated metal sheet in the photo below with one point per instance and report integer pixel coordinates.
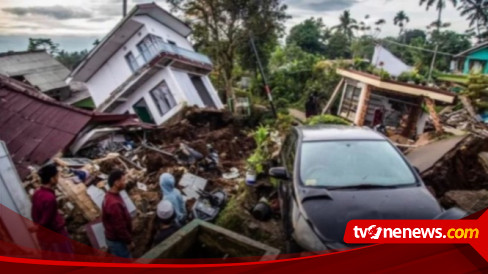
(35, 127)
(39, 68)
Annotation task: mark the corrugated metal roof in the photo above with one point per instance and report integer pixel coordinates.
(35, 127)
(471, 50)
(39, 68)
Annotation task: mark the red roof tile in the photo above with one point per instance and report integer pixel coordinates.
(36, 127)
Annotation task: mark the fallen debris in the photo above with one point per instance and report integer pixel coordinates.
(458, 167)
(197, 150)
(463, 121)
(200, 239)
(468, 200)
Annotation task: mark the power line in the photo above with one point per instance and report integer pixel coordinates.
(418, 48)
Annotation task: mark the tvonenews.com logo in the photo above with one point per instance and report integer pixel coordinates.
(468, 231)
(374, 232)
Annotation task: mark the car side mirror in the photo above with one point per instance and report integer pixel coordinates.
(279, 173)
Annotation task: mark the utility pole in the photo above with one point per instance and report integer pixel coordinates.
(432, 64)
(124, 8)
(437, 42)
(265, 81)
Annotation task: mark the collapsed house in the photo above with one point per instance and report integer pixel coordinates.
(368, 100)
(199, 151)
(36, 127)
(40, 70)
(147, 66)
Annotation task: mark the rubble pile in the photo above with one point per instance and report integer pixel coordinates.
(470, 201)
(459, 169)
(205, 143)
(463, 121)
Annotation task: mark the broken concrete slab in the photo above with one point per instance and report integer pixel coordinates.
(425, 157)
(459, 168)
(468, 200)
(98, 195)
(191, 185)
(200, 239)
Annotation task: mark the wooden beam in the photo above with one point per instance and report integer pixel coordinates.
(333, 97)
(363, 104)
(433, 114)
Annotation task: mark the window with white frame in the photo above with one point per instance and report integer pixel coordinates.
(163, 98)
(150, 46)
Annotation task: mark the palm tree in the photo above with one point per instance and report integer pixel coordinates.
(347, 25)
(440, 4)
(401, 19)
(477, 12)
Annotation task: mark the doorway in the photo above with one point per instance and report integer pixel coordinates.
(202, 91)
(143, 112)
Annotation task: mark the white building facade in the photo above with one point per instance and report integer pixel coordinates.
(147, 66)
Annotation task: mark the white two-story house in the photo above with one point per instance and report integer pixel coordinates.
(147, 66)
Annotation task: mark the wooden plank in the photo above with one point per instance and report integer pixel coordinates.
(333, 97)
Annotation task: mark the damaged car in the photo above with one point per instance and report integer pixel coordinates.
(331, 175)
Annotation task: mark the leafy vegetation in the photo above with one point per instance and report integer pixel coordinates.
(477, 91)
(327, 119)
(261, 154)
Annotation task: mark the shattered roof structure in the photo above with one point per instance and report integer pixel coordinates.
(38, 68)
(399, 87)
(35, 127)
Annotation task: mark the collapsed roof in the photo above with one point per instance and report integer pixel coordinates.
(399, 87)
(35, 127)
(38, 68)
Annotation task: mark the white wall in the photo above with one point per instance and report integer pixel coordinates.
(115, 71)
(188, 88)
(164, 32)
(14, 197)
(144, 92)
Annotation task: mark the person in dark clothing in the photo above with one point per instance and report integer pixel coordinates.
(45, 213)
(166, 218)
(312, 105)
(116, 219)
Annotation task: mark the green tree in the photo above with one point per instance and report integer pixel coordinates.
(440, 5)
(409, 35)
(449, 42)
(222, 26)
(347, 25)
(309, 35)
(363, 47)
(43, 44)
(339, 46)
(477, 14)
(290, 68)
(71, 59)
(401, 19)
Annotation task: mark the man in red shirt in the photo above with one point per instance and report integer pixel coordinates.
(116, 219)
(45, 213)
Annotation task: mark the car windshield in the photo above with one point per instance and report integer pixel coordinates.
(342, 164)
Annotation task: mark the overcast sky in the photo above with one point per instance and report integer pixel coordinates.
(75, 24)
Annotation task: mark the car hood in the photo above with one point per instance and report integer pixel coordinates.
(330, 215)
